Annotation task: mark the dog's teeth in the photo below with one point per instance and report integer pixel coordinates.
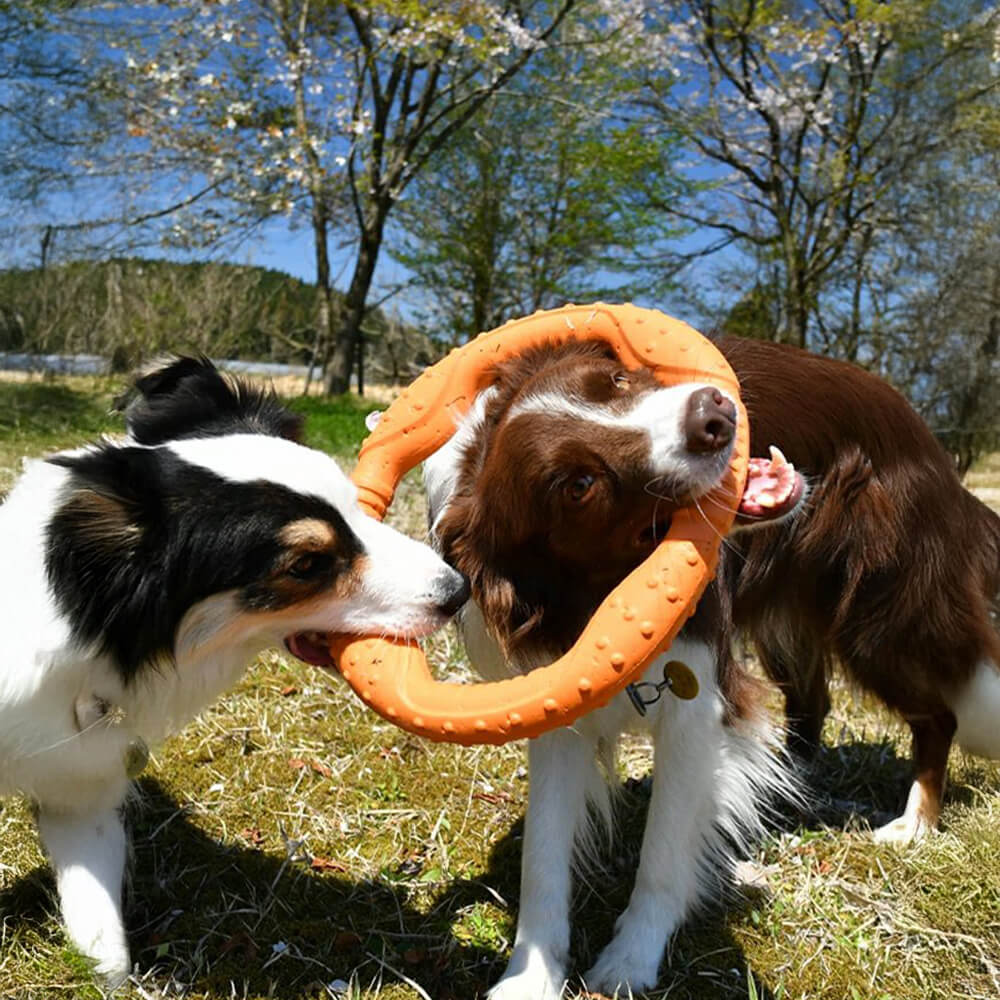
(767, 500)
(778, 460)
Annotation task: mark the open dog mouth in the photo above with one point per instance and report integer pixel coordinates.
(773, 488)
(310, 647)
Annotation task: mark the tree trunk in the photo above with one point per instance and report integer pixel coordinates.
(345, 347)
(324, 293)
(974, 410)
(361, 363)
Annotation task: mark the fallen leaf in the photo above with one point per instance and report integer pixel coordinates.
(346, 941)
(297, 763)
(241, 942)
(494, 798)
(326, 865)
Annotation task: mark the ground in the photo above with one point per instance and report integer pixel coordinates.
(289, 844)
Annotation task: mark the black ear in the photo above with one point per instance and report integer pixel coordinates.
(190, 397)
(114, 486)
(103, 553)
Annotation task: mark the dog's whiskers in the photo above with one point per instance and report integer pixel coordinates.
(106, 720)
(722, 538)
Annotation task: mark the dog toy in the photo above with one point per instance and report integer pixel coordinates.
(637, 620)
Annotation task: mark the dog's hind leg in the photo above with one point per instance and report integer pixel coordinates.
(87, 851)
(932, 736)
(978, 712)
(799, 667)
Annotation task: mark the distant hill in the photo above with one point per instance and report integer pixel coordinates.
(132, 308)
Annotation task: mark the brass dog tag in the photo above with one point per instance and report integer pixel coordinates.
(681, 679)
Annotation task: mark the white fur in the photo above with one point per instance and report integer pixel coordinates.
(708, 784)
(659, 414)
(441, 468)
(977, 710)
(709, 781)
(59, 746)
(913, 825)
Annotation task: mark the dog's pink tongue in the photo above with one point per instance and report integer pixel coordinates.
(773, 487)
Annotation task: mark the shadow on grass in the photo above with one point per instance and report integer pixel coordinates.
(54, 410)
(218, 916)
(855, 785)
(214, 917)
(704, 961)
(213, 914)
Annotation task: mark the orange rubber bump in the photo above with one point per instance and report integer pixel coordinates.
(641, 616)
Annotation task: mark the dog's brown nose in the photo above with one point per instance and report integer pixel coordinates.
(710, 421)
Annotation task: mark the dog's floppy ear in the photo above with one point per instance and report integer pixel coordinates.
(114, 495)
(469, 542)
(104, 549)
(189, 397)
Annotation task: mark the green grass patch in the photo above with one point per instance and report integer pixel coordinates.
(44, 415)
(288, 844)
(334, 424)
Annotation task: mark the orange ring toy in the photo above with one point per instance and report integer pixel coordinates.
(640, 617)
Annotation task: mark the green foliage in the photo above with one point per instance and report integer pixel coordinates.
(43, 416)
(546, 198)
(132, 308)
(335, 424)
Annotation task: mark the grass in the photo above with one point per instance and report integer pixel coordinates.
(288, 844)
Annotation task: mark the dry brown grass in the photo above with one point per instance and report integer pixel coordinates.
(288, 844)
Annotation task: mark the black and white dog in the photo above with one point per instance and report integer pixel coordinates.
(139, 580)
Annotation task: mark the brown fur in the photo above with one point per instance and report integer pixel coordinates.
(892, 569)
(891, 572)
(539, 563)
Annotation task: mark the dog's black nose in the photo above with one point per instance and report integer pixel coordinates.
(710, 421)
(455, 591)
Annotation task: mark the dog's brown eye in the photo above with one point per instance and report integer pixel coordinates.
(307, 566)
(621, 380)
(579, 489)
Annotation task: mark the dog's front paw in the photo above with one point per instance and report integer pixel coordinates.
(112, 963)
(622, 970)
(531, 974)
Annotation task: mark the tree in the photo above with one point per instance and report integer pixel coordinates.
(804, 116)
(316, 110)
(936, 295)
(543, 200)
(68, 182)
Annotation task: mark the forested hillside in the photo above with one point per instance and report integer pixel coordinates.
(131, 308)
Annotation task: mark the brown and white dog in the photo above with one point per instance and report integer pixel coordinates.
(894, 572)
(558, 483)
